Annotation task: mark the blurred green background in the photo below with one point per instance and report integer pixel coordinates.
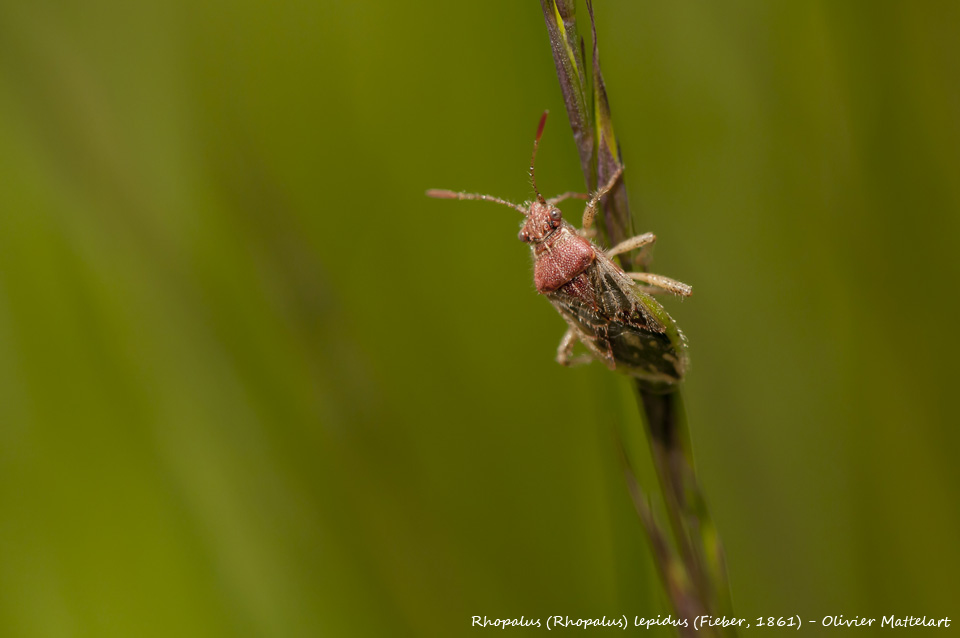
(254, 383)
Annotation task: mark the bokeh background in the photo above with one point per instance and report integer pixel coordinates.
(254, 383)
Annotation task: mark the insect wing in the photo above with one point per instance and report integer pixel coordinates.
(622, 326)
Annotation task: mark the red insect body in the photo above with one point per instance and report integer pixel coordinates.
(603, 307)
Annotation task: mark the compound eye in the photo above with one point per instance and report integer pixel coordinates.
(555, 215)
(522, 236)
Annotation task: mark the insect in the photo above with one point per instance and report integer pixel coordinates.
(605, 308)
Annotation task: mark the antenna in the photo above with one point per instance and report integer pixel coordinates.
(445, 194)
(533, 159)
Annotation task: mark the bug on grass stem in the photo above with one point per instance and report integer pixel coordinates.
(607, 309)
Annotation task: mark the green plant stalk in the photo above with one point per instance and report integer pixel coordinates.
(693, 570)
(673, 573)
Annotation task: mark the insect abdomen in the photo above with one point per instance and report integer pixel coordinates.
(618, 325)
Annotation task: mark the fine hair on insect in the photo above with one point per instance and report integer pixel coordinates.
(610, 311)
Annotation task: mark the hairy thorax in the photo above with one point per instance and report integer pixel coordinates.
(560, 258)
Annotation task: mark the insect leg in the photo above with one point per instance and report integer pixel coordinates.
(652, 290)
(565, 350)
(665, 283)
(631, 244)
(591, 210)
(568, 195)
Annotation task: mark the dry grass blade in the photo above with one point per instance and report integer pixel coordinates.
(693, 570)
(567, 46)
(617, 219)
